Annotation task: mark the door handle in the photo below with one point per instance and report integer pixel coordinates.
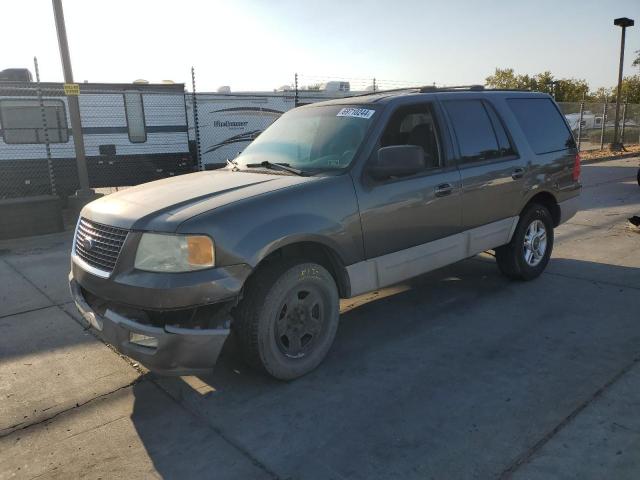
(443, 190)
(517, 173)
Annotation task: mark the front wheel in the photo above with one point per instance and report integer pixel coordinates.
(526, 256)
(288, 318)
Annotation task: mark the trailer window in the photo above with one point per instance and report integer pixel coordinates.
(134, 110)
(22, 121)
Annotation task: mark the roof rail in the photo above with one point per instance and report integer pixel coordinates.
(380, 92)
(433, 88)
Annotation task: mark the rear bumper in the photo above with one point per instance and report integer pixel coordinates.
(179, 350)
(569, 208)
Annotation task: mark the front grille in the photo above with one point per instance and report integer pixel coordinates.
(99, 245)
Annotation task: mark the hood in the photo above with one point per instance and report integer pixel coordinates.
(164, 204)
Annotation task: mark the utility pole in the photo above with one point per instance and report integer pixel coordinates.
(624, 23)
(72, 91)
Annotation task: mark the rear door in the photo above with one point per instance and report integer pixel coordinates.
(492, 171)
(552, 146)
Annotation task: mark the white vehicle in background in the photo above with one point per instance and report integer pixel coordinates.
(133, 133)
(228, 121)
(590, 121)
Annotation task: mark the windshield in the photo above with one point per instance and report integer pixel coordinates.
(316, 138)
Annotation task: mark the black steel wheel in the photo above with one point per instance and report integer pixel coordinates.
(288, 317)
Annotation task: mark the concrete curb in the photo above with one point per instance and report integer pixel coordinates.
(610, 157)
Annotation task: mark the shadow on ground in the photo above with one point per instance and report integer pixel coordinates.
(456, 377)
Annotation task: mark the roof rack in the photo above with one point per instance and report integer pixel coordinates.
(381, 92)
(433, 88)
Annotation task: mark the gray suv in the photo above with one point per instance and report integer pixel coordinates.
(333, 200)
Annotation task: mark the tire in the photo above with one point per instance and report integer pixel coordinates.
(282, 330)
(639, 177)
(525, 261)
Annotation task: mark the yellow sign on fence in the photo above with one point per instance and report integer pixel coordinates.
(71, 89)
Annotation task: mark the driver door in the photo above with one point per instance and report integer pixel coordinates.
(402, 217)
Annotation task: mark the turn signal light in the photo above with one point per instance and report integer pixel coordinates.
(200, 250)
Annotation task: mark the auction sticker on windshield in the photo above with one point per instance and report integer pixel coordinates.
(356, 112)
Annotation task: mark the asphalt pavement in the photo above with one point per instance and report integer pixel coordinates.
(457, 374)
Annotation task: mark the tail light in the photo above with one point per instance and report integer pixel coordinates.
(576, 168)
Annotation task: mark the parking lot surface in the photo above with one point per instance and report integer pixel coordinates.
(457, 374)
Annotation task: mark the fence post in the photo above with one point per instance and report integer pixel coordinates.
(374, 85)
(624, 118)
(295, 83)
(196, 127)
(580, 123)
(604, 121)
(45, 128)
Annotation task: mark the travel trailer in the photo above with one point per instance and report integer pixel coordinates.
(228, 122)
(133, 133)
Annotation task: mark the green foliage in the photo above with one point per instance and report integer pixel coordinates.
(601, 93)
(631, 89)
(636, 62)
(565, 89)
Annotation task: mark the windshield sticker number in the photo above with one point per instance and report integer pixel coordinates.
(356, 112)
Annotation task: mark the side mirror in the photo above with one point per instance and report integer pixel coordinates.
(397, 161)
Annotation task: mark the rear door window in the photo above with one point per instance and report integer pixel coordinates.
(473, 128)
(542, 124)
(505, 145)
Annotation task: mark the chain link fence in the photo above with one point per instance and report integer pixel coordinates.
(223, 123)
(593, 123)
(132, 134)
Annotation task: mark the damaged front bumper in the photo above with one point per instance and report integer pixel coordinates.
(168, 349)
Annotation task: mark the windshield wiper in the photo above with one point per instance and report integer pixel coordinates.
(277, 166)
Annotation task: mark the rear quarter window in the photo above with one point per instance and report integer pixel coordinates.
(542, 124)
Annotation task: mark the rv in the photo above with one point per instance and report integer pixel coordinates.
(589, 121)
(228, 122)
(132, 133)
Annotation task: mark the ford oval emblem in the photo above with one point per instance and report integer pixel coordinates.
(87, 243)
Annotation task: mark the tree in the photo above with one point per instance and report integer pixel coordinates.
(565, 90)
(636, 62)
(631, 89)
(571, 90)
(506, 78)
(601, 94)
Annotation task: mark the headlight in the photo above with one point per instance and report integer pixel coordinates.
(174, 253)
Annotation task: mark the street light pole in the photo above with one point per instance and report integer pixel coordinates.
(624, 23)
(72, 100)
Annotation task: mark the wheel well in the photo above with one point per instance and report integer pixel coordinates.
(549, 201)
(318, 253)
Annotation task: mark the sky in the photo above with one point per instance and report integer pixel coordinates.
(260, 44)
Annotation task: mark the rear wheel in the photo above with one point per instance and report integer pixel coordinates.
(288, 318)
(526, 256)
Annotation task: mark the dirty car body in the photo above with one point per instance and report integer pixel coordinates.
(368, 228)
